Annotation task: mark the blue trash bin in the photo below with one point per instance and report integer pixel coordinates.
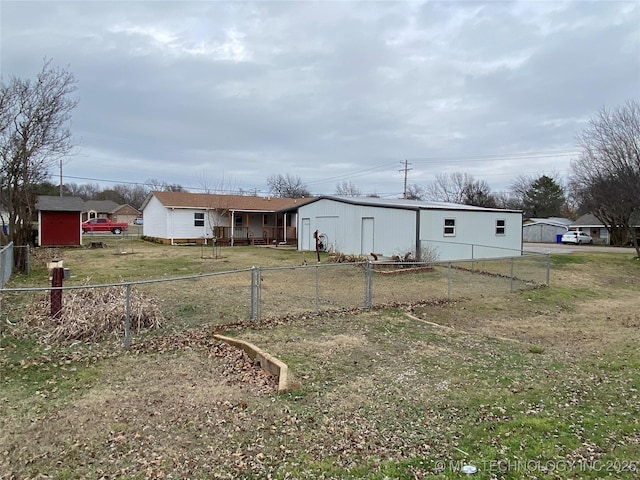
(559, 238)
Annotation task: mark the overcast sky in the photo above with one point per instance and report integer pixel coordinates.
(233, 92)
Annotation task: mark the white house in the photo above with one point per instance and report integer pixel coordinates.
(182, 217)
(442, 231)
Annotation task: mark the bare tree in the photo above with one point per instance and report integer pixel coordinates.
(415, 192)
(448, 187)
(86, 191)
(288, 186)
(478, 193)
(460, 188)
(163, 186)
(347, 189)
(217, 210)
(606, 176)
(35, 134)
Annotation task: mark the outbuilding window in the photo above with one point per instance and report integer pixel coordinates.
(198, 219)
(500, 227)
(449, 227)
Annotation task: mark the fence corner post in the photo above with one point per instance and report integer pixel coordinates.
(127, 318)
(368, 281)
(548, 268)
(252, 313)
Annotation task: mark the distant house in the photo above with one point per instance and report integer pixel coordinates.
(182, 217)
(448, 231)
(598, 231)
(124, 213)
(98, 209)
(59, 221)
(544, 230)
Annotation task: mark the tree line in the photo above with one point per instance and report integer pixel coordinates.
(35, 135)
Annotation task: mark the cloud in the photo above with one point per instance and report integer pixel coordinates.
(328, 90)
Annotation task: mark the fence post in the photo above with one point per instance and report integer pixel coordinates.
(472, 260)
(449, 281)
(258, 293)
(127, 318)
(252, 313)
(548, 268)
(511, 274)
(317, 286)
(368, 285)
(56, 291)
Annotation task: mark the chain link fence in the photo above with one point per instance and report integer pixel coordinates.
(6, 264)
(272, 292)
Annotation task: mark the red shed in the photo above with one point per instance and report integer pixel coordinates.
(59, 221)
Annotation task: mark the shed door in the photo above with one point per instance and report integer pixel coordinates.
(59, 229)
(306, 234)
(366, 236)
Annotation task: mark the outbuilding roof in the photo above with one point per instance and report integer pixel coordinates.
(239, 203)
(405, 204)
(51, 203)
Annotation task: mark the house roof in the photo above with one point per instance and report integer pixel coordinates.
(125, 209)
(100, 206)
(239, 203)
(51, 203)
(590, 220)
(555, 221)
(406, 204)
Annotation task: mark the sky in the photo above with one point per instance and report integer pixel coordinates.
(216, 94)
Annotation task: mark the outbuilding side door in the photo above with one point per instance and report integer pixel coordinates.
(366, 236)
(306, 234)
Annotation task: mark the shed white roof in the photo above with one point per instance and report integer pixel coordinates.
(407, 204)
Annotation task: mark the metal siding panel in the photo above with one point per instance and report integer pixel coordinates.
(394, 229)
(477, 228)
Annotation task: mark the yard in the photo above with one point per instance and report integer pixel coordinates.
(538, 383)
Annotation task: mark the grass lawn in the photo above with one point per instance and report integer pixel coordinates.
(533, 384)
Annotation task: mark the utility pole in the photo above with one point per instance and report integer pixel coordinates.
(405, 170)
(61, 177)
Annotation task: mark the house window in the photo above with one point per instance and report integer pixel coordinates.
(449, 227)
(198, 219)
(238, 221)
(500, 227)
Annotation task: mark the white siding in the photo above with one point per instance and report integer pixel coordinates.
(177, 223)
(475, 234)
(478, 233)
(156, 219)
(542, 232)
(394, 231)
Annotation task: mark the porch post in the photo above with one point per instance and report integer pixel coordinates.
(284, 226)
(233, 222)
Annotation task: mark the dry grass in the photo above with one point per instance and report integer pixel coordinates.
(541, 375)
(90, 315)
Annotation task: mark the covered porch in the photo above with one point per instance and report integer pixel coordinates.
(257, 228)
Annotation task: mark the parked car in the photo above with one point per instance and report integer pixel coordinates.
(137, 221)
(577, 237)
(104, 225)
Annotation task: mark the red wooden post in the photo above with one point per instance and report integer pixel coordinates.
(56, 293)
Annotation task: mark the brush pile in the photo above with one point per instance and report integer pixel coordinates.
(90, 315)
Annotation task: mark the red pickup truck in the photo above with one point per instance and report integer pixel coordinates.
(103, 225)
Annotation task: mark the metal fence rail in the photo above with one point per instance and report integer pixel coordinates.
(6, 264)
(271, 292)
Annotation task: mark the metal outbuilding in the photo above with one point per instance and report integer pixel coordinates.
(426, 230)
(544, 230)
